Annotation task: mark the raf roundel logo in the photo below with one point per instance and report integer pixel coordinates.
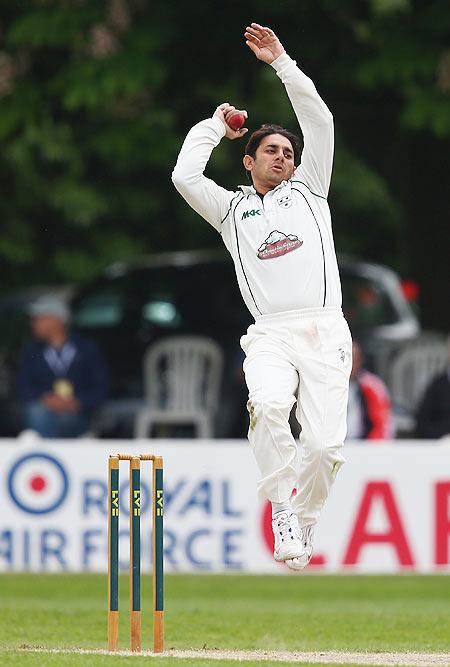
(38, 483)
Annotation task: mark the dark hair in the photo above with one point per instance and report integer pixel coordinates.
(258, 135)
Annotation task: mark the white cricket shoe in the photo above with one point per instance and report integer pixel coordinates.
(302, 561)
(288, 537)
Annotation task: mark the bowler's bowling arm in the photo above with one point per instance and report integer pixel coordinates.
(207, 198)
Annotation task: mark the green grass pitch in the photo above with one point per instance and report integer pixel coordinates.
(294, 613)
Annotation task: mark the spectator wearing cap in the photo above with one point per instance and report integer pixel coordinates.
(62, 376)
(369, 414)
(433, 416)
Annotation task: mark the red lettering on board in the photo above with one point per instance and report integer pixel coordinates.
(393, 535)
(442, 523)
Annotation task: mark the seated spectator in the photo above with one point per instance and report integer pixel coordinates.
(433, 415)
(62, 376)
(369, 407)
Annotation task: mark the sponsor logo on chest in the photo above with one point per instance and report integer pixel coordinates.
(278, 244)
(251, 214)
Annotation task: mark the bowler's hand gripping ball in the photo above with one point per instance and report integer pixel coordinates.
(236, 119)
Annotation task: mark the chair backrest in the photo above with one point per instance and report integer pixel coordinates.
(413, 369)
(183, 373)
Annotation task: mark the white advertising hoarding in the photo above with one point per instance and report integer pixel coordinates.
(389, 509)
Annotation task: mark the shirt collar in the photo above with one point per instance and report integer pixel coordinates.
(249, 189)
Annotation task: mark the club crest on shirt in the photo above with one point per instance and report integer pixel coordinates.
(278, 244)
(285, 201)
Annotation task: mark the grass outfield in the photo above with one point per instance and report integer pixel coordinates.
(303, 613)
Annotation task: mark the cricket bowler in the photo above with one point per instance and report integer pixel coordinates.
(298, 351)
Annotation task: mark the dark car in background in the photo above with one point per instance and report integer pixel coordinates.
(135, 304)
(378, 313)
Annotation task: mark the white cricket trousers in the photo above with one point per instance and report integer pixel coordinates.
(302, 356)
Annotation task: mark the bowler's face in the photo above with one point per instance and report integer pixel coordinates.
(273, 162)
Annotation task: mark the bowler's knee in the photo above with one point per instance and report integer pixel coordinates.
(267, 409)
(327, 453)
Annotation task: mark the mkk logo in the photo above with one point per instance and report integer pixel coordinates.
(247, 214)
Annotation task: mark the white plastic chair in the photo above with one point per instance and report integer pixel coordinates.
(411, 371)
(182, 377)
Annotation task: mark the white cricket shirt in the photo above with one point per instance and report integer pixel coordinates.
(282, 245)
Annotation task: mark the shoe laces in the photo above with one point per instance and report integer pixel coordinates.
(286, 526)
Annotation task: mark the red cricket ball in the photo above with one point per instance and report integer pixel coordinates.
(236, 119)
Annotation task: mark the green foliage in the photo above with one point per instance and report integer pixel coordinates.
(362, 198)
(409, 57)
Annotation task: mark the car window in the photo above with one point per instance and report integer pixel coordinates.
(199, 298)
(161, 312)
(366, 303)
(104, 308)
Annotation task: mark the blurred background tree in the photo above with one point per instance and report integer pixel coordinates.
(97, 95)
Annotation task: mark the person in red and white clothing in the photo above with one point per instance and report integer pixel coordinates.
(369, 414)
